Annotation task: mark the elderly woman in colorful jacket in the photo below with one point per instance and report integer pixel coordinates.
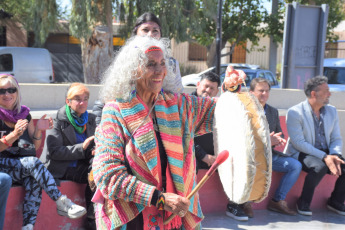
(144, 165)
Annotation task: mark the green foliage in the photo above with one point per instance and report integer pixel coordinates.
(241, 21)
(178, 17)
(39, 16)
(187, 69)
(44, 19)
(275, 23)
(84, 16)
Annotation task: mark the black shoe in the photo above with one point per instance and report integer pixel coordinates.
(91, 212)
(236, 212)
(303, 208)
(90, 224)
(336, 207)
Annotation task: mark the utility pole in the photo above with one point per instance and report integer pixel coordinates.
(219, 36)
(273, 45)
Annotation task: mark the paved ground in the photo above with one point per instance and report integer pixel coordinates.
(264, 219)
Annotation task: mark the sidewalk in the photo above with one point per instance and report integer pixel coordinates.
(264, 219)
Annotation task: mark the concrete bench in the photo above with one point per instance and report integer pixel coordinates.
(47, 217)
(213, 198)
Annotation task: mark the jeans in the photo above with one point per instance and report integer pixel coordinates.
(316, 170)
(30, 172)
(291, 169)
(5, 186)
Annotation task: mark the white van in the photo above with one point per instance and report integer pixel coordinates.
(334, 70)
(27, 65)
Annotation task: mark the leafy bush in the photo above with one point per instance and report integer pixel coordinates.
(187, 69)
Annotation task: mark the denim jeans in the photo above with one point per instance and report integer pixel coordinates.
(30, 172)
(291, 169)
(5, 186)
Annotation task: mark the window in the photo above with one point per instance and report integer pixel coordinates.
(262, 74)
(269, 76)
(250, 77)
(6, 62)
(197, 52)
(335, 75)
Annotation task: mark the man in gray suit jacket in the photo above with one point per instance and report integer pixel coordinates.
(315, 140)
(260, 87)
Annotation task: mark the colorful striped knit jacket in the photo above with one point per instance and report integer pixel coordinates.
(180, 117)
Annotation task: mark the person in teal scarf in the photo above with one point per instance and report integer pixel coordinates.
(68, 149)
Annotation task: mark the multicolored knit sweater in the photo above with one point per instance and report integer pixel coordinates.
(180, 117)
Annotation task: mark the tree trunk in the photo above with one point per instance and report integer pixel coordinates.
(211, 53)
(97, 52)
(96, 55)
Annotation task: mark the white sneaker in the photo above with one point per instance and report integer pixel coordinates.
(28, 227)
(65, 207)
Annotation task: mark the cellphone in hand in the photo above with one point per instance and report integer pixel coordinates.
(43, 125)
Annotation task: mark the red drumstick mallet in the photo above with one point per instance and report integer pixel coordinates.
(219, 160)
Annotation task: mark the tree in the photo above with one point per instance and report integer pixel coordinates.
(241, 21)
(91, 22)
(39, 16)
(184, 20)
(248, 20)
(178, 17)
(195, 20)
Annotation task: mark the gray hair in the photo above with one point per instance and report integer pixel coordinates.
(313, 83)
(120, 78)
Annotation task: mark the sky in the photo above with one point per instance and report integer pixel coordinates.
(64, 3)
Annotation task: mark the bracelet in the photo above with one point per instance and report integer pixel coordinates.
(3, 139)
(161, 202)
(37, 138)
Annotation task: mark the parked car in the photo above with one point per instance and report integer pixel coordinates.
(27, 65)
(334, 70)
(193, 79)
(255, 73)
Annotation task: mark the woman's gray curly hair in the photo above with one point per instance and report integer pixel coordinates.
(120, 78)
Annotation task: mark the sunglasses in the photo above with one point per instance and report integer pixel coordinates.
(9, 90)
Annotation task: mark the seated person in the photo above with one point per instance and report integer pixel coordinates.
(260, 87)
(68, 149)
(204, 149)
(315, 140)
(20, 138)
